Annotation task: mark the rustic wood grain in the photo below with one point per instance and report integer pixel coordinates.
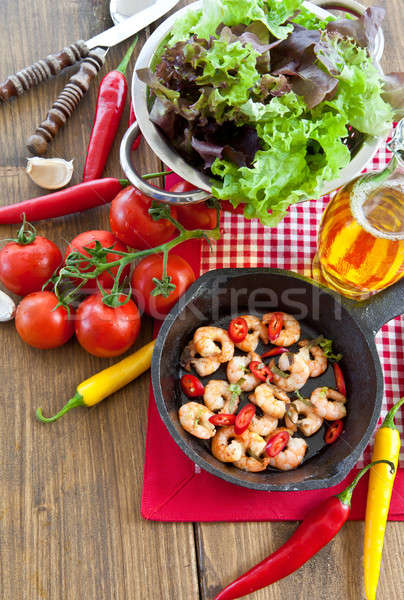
(70, 525)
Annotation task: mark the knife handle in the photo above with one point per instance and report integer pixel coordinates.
(16, 85)
(68, 100)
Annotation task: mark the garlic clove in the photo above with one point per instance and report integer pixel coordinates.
(7, 307)
(49, 173)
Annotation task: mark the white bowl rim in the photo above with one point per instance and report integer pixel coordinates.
(169, 155)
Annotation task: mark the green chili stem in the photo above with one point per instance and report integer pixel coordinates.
(154, 175)
(346, 495)
(77, 400)
(389, 420)
(125, 61)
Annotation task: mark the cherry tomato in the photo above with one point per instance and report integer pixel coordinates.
(243, 419)
(274, 352)
(39, 325)
(334, 431)
(88, 239)
(274, 326)
(191, 386)
(339, 379)
(146, 270)
(132, 224)
(260, 371)
(24, 268)
(238, 330)
(222, 420)
(105, 331)
(194, 216)
(277, 443)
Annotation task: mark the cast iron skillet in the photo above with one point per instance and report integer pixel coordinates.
(219, 295)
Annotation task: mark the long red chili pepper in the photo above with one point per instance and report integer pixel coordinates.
(65, 202)
(315, 531)
(132, 119)
(110, 104)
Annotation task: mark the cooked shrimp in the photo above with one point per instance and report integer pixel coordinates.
(319, 364)
(309, 424)
(264, 397)
(324, 407)
(194, 418)
(278, 393)
(263, 425)
(255, 445)
(218, 396)
(291, 457)
(290, 332)
(298, 368)
(203, 366)
(237, 371)
(213, 342)
(256, 330)
(227, 446)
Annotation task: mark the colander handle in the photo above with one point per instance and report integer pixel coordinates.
(191, 197)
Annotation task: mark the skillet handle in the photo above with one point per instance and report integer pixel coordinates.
(380, 308)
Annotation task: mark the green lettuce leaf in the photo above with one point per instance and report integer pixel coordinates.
(360, 89)
(204, 23)
(307, 19)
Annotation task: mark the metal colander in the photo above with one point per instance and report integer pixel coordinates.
(362, 147)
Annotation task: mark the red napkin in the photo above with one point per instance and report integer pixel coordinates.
(174, 489)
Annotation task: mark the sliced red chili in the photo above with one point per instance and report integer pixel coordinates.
(222, 420)
(274, 352)
(191, 386)
(260, 371)
(339, 379)
(277, 443)
(334, 431)
(238, 330)
(274, 326)
(243, 419)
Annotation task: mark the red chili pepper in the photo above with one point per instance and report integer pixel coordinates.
(334, 431)
(274, 326)
(222, 420)
(110, 104)
(243, 419)
(315, 531)
(191, 386)
(274, 352)
(132, 119)
(260, 371)
(339, 379)
(64, 202)
(277, 443)
(238, 330)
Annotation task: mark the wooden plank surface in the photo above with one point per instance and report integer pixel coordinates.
(70, 525)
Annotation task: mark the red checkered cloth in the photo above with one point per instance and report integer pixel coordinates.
(292, 245)
(177, 490)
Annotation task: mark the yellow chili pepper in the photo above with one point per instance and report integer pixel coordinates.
(381, 480)
(106, 382)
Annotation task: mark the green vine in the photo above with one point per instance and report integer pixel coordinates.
(95, 262)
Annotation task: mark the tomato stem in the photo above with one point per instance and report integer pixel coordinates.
(96, 263)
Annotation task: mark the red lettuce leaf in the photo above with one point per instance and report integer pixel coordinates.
(363, 30)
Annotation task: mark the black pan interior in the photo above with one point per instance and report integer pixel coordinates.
(219, 296)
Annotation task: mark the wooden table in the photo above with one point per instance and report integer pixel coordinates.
(70, 524)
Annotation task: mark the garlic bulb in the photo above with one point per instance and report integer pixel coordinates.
(7, 307)
(50, 173)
